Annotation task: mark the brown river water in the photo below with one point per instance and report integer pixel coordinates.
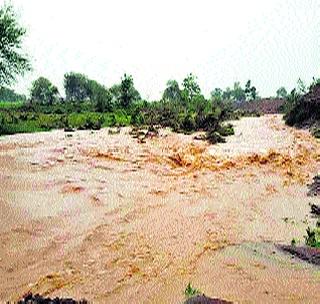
(100, 216)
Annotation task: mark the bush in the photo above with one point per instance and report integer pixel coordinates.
(85, 121)
(226, 130)
(214, 137)
(312, 238)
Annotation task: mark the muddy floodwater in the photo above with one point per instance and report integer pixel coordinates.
(101, 216)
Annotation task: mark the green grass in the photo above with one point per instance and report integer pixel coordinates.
(17, 121)
(5, 105)
(21, 127)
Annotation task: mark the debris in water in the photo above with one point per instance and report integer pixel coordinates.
(37, 299)
(314, 188)
(315, 209)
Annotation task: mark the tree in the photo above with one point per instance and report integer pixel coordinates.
(227, 94)
(282, 92)
(250, 91)
(216, 96)
(43, 91)
(12, 61)
(172, 91)
(115, 91)
(254, 94)
(77, 86)
(7, 94)
(190, 88)
(128, 93)
(238, 93)
(100, 96)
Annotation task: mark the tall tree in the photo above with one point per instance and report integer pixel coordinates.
(216, 96)
(100, 95)
(172, 91)
(12, 61)
(43, 91)
(191, 88)
(76, 86)
(238, 93)
(128, 93)
(227, 94)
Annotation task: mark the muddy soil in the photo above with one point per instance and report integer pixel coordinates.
(103, 217)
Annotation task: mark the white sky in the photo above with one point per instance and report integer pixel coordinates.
(273, 43)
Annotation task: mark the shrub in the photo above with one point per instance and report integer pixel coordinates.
(85, 121)
(191, 291)
(312, 238)
(214, 137)
(226, 130)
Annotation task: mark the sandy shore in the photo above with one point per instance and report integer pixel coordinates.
(103, 217)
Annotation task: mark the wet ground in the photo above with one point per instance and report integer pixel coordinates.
(100, 216)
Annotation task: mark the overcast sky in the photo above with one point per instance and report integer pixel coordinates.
(273, 43)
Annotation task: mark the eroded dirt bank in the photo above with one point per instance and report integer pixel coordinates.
(102, 217)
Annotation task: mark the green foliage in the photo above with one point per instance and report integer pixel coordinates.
(214, 137)
(290, 108)
(128, 94)
(172, 92)
(250, 91)
(85, 121)
(312, 238)
(282, 92)
(190, 88)
(191, 291)
(238, 93)
(90, 105)
(226, 130)
(44, 92)
(11, 105)
(100, 96)
(76, 86)
(8, 95)
(12, 61)
(301, 108)
(122, 118)
(216, 96)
